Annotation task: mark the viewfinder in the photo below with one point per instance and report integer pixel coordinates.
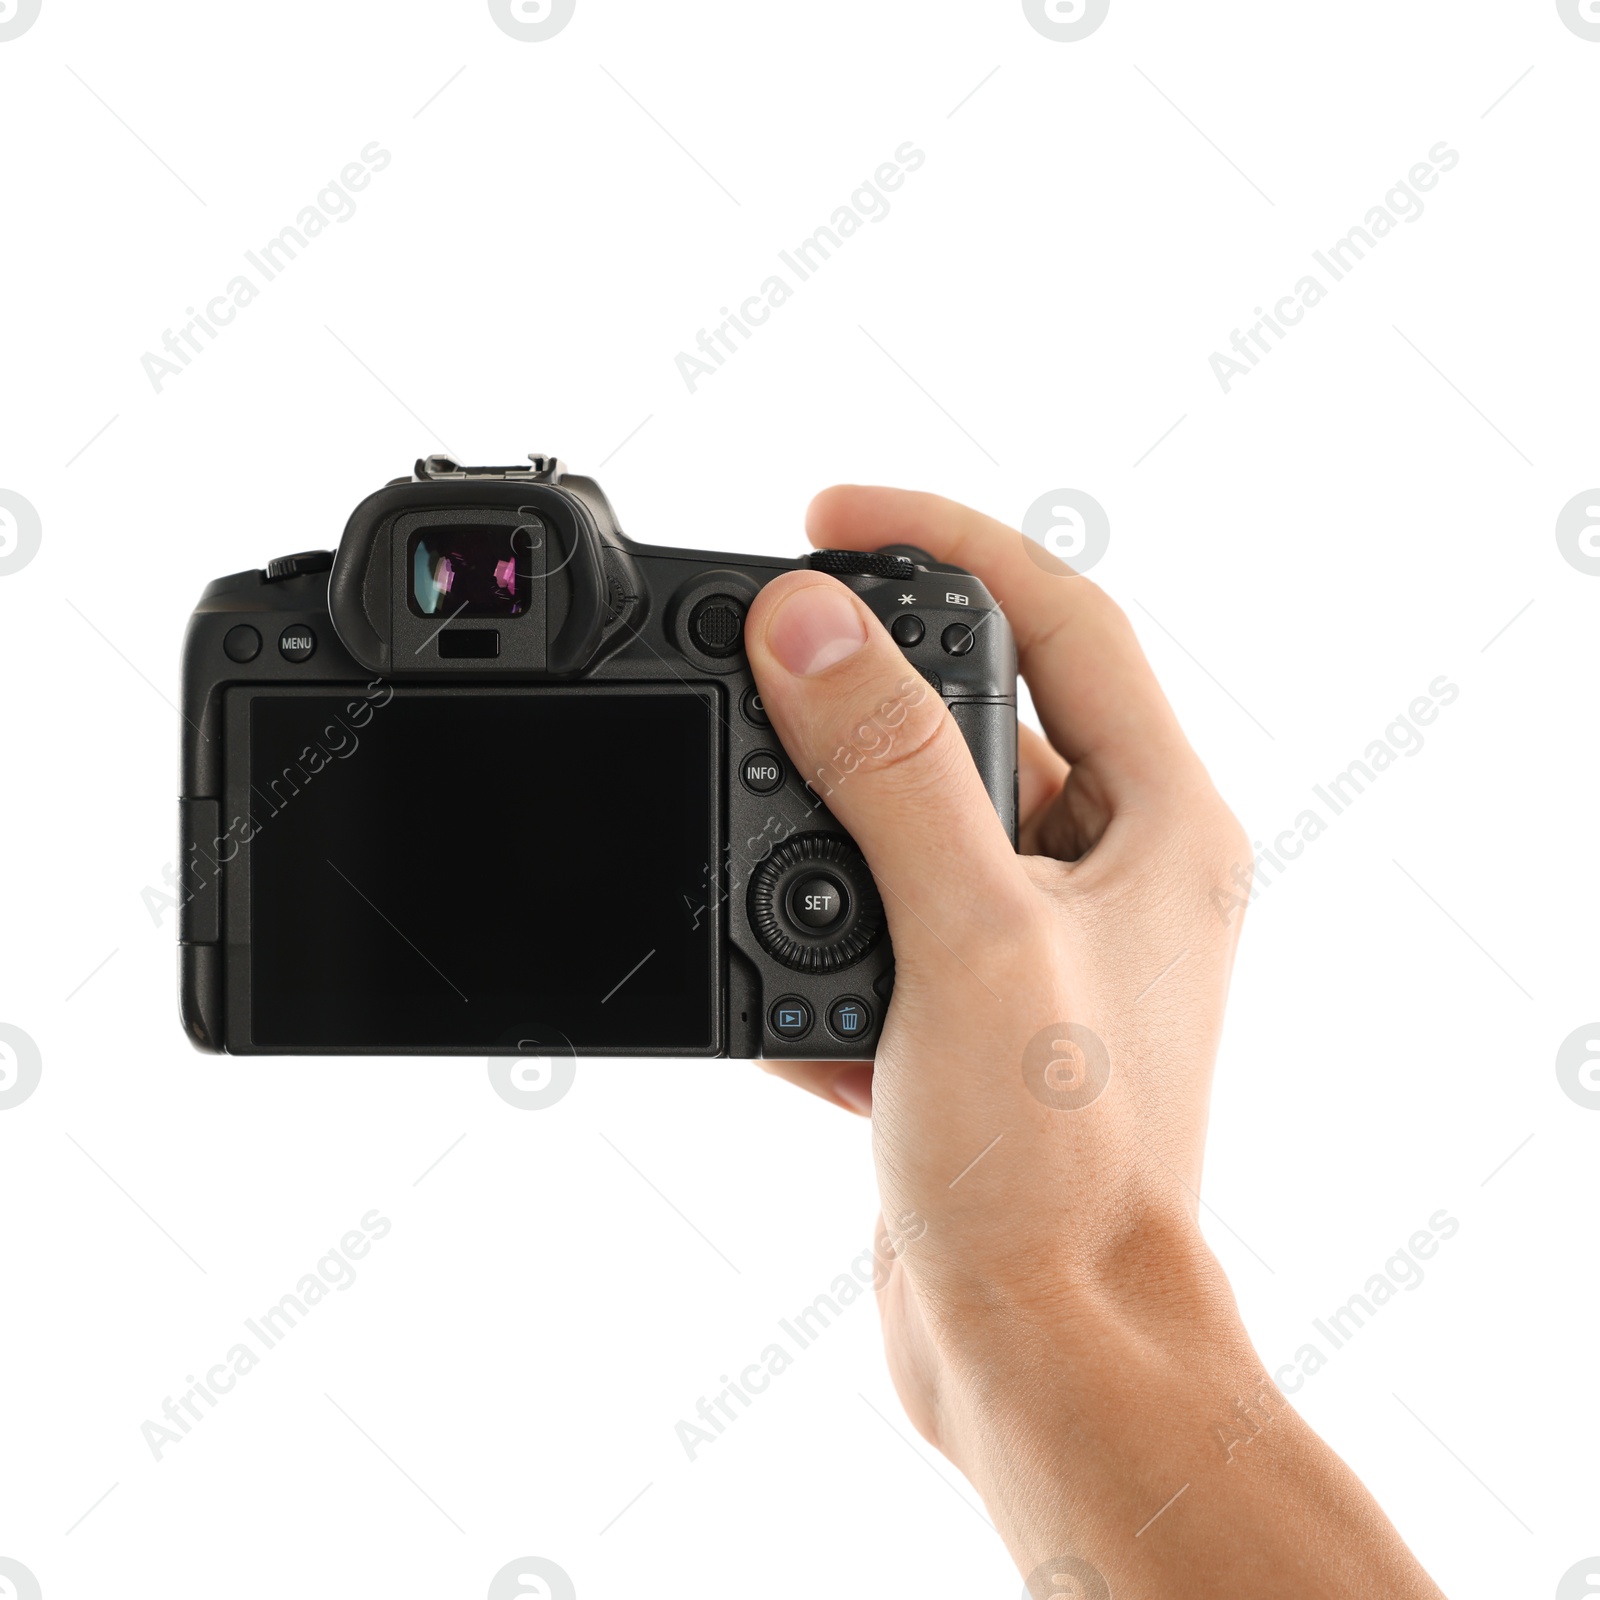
(473, 571)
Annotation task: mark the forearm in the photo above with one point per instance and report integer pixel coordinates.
(1055, 1324)
(1141, 1434)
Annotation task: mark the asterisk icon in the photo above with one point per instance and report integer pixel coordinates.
(908, 599)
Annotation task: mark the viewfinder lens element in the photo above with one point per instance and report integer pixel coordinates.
(473, 571)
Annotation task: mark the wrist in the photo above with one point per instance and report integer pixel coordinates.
(1153, 1281)
(1122, 1425)
(1079, 1403)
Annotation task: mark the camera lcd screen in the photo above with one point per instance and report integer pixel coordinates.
(465, 871)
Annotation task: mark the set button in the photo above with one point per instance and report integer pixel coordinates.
(818, 903)
(761, 771)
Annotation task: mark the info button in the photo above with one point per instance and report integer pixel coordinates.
(761, 772)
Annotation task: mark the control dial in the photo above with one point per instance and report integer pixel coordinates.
(813, 903)
(863, 563)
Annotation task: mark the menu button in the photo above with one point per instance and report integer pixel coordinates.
(297, 643)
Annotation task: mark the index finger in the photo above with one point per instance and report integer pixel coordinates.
(1091, 684)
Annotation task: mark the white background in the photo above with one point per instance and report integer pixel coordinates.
(1369, 509)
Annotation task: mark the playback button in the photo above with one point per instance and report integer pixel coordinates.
(790, 1017)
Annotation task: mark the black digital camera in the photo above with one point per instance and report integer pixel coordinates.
(493, 779)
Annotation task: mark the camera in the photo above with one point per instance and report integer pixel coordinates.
(493, 779)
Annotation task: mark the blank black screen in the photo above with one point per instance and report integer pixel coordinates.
(467, 870)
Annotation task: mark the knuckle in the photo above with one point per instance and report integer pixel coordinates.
(1022, 932)
(1101, 598)
(1229, 837)
(1207, 830)
(905, 735)
(1223, 860)
(1098, 600)
(1004, 933)
(1219, 843)
(1031, 928)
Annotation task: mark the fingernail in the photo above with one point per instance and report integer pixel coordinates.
(814, 628)
(853, 1088)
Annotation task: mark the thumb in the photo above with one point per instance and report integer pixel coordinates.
(879, 748)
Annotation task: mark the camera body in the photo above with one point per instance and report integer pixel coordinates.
(493, 779)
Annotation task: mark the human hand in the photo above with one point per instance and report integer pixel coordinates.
(1039, 1098)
